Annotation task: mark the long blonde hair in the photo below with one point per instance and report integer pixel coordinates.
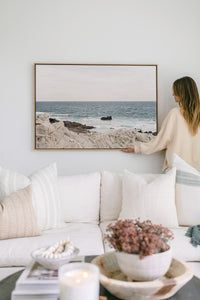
(187, 90)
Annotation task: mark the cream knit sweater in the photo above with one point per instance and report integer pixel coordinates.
(175, 137)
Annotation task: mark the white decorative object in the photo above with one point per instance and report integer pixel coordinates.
(79, 281)
(150, 196)
(55, 255)
(45, 197)
(117, 283)
(187, 192)
(146, 269)
(80, 197)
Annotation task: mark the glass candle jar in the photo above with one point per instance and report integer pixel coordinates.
(78, 281)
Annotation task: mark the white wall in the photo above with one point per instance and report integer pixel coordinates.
(89, 31)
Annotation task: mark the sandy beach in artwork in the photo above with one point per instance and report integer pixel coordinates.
(63, 134)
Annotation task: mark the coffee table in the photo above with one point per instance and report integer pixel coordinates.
(190, 291)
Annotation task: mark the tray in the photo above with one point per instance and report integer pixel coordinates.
(117, 283)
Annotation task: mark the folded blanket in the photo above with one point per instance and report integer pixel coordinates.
(194, 233)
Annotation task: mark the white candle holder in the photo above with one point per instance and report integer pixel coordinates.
(78, 281)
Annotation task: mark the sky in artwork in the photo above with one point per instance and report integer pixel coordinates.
(95, 83)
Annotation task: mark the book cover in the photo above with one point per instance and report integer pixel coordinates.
(37, 282)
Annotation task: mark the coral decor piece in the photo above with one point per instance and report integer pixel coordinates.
(138, 237)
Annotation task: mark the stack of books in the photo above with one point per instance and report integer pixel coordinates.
(36, 282)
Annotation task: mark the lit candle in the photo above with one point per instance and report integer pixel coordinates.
(79, 281)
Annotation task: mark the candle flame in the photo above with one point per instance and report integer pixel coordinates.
(85, 275)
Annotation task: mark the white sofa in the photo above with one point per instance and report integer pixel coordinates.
(89, 203)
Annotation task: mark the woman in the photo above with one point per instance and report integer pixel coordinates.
(180, 131)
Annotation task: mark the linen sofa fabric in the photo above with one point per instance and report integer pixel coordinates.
(87, 236)
(17, 252)
(17, 216)
(46, 200)
(111, 195)
(11, 181)
(187, 193)
(80, 197)
(150, 196)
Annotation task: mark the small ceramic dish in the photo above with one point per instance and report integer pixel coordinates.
(118, 284)
(53, 263)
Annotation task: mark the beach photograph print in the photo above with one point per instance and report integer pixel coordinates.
(94, 106)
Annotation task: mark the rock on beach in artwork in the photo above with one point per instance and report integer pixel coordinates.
(57, 134)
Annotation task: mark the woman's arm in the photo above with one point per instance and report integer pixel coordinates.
(163, 138)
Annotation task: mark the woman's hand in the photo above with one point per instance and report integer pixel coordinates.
(130, 149)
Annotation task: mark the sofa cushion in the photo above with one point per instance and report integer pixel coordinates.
(17, 215)
(17, 252)
(187, 192)
(195, 267)
(150, 196)
(11, 181)
(80, 197)
(181, 246)
(111, 195)
(46, 197)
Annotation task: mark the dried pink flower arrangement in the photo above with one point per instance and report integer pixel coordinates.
(136, 237)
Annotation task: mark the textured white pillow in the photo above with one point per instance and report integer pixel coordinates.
(45, 197)
(150, 196)
(187, 192)
(111, 195)
(17, 216)
(80, 197)
(11, 181)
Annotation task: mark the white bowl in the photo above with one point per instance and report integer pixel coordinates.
(117, 283)
(53, 263)
(148, 268)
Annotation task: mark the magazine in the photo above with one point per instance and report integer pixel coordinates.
(37, 282)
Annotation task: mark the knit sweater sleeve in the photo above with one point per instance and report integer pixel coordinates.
(163, 138)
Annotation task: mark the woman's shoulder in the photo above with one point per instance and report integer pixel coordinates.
(173, 116)
(174, 112)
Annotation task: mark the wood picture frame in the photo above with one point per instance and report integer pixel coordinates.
(94, 106)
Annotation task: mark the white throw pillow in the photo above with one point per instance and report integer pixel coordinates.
(111, 196)
(150, 196)
(45, 197)
(11, 181)
(80, 197)
(187, 192)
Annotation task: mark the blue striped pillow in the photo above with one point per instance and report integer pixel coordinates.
(187, 192)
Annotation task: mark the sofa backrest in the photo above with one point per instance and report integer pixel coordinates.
(80, 197)
(111, 196)
(94, 197)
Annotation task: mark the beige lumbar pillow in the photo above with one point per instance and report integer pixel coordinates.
(17, 215)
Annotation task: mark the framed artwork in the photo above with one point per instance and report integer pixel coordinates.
(94, 106)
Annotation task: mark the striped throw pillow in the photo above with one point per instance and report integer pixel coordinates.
(187, 192)
(11, 181)
(45, 197)
(17, 216)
